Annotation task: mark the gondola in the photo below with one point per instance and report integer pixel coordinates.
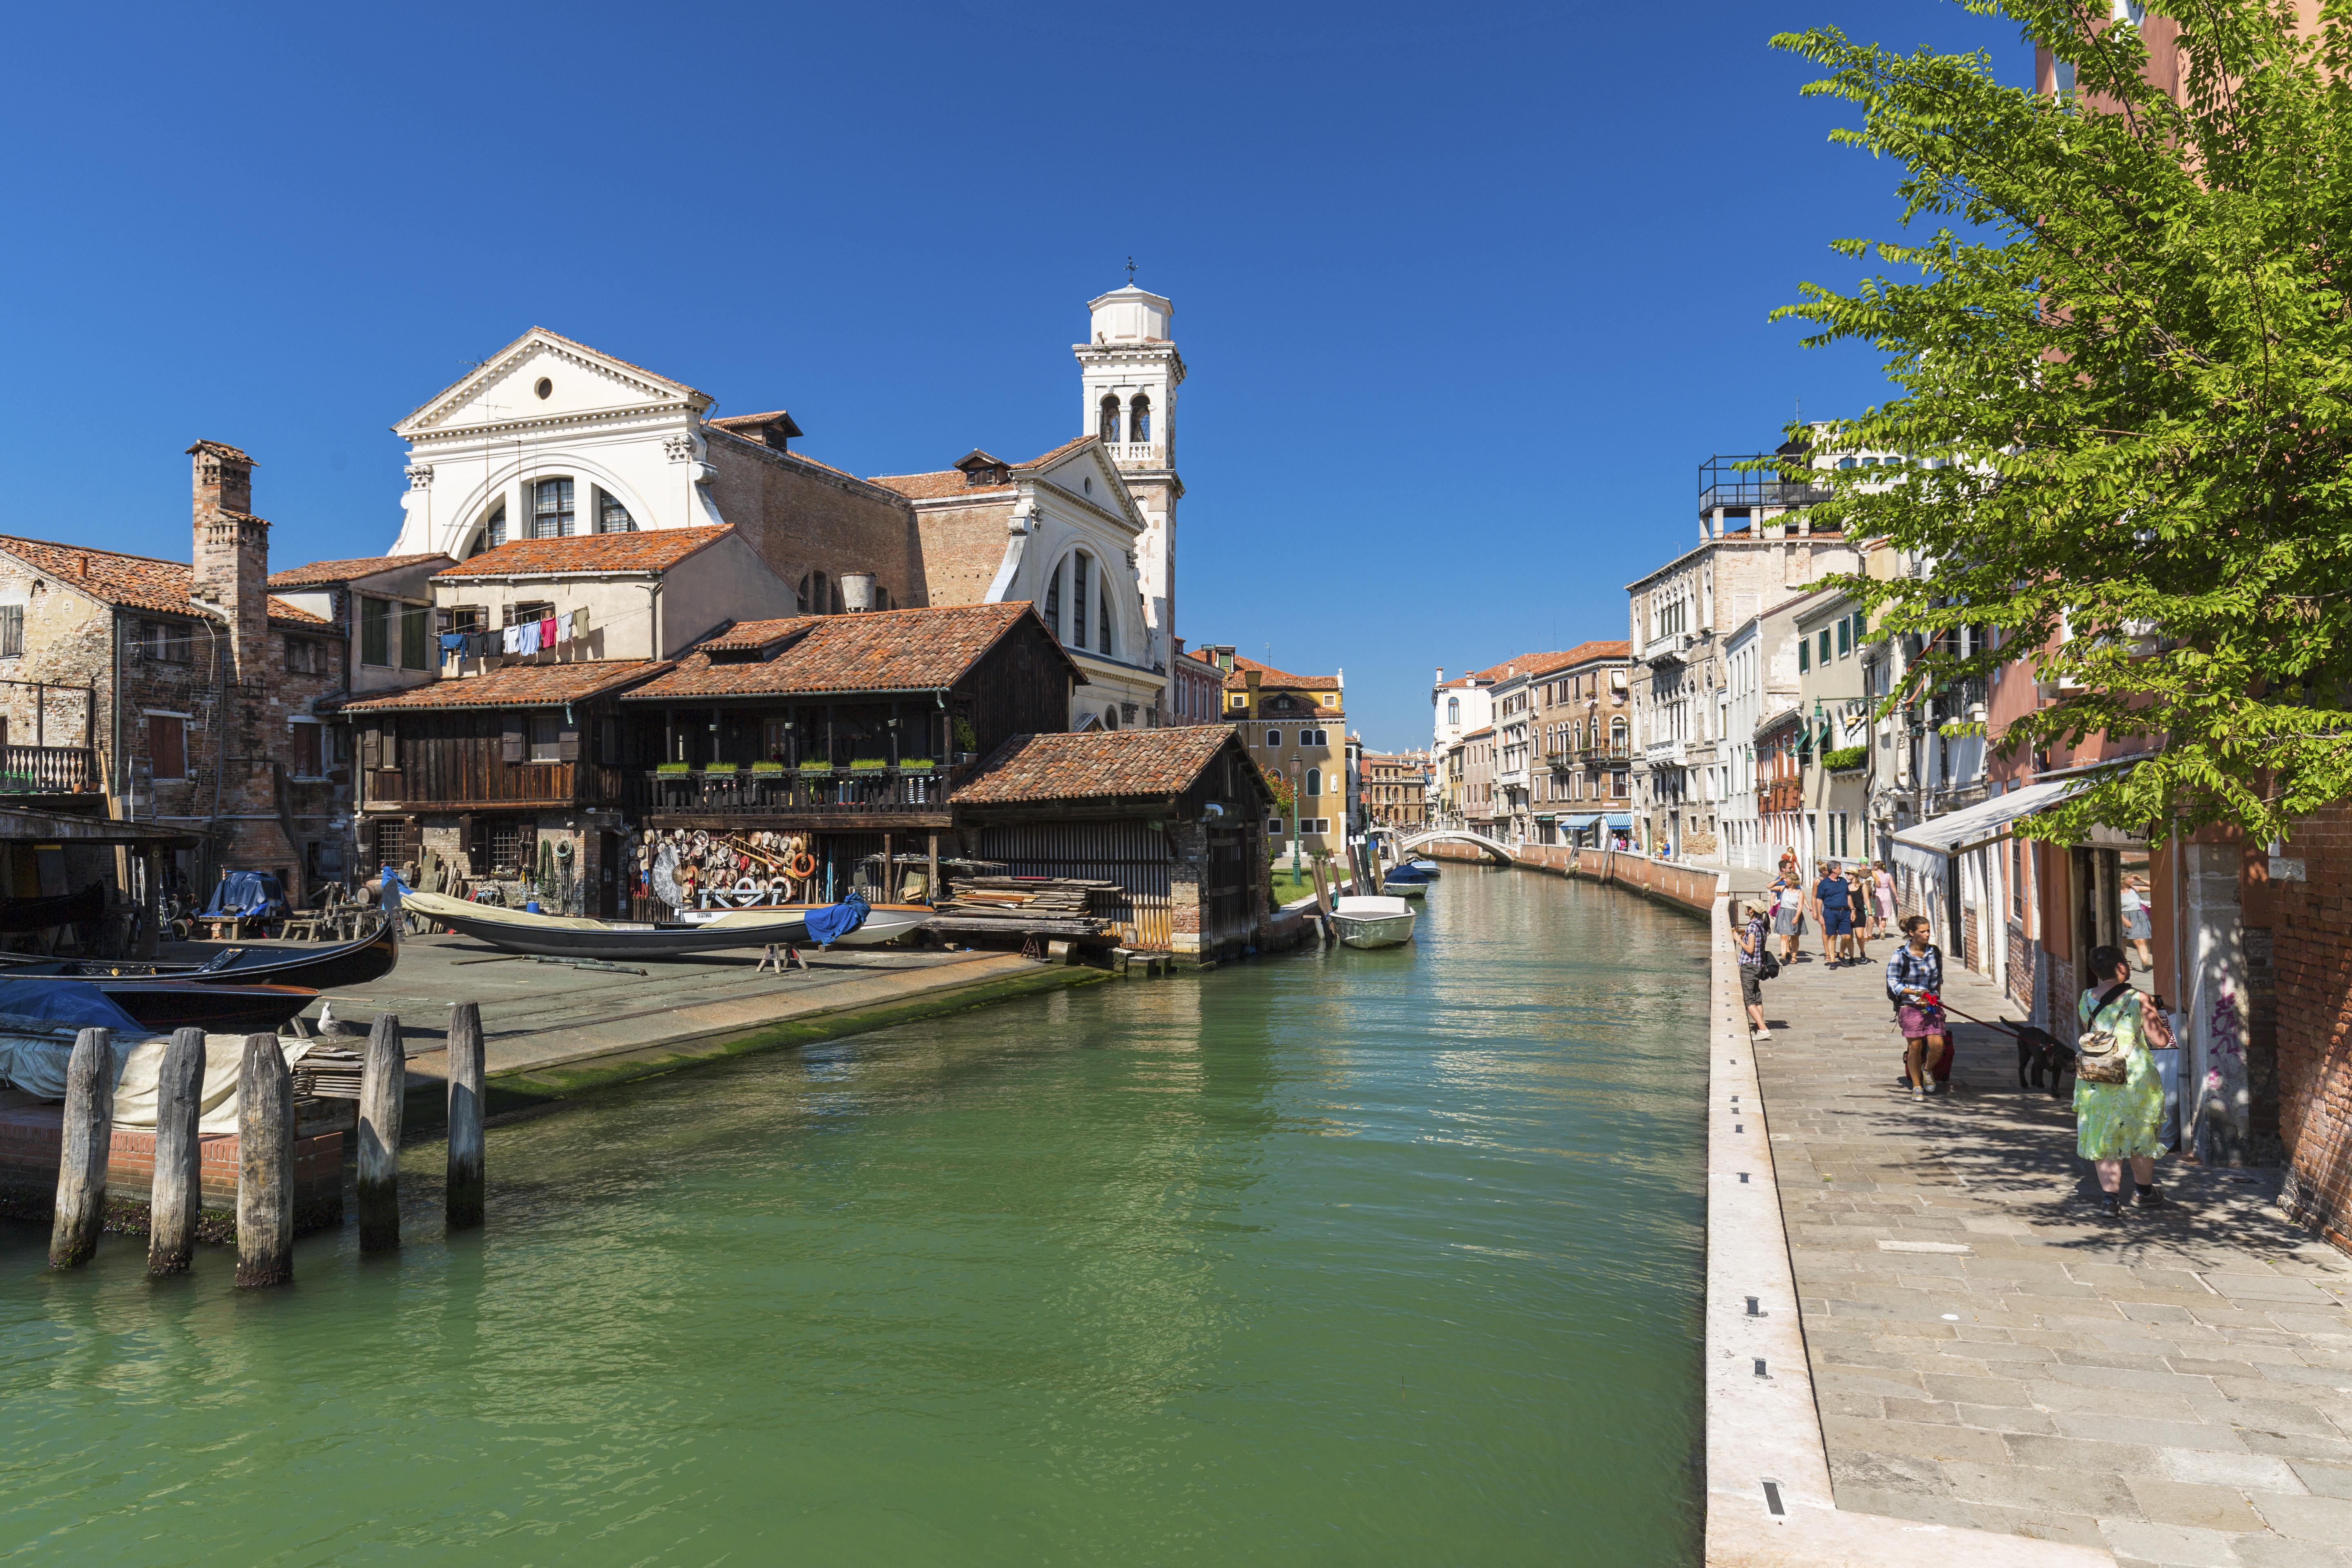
(576, 936)
(371, 957)
(165, 1005)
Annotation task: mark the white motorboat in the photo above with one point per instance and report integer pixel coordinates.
(1368, 919)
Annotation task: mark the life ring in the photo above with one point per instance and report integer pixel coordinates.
(801, 867)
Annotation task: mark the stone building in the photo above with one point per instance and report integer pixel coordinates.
(1579, 743)
(1756, 547)
(187, 694)
(1762, 789)
(1396, 789)
(1295, 728)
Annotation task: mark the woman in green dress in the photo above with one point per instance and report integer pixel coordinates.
(2117, 1121)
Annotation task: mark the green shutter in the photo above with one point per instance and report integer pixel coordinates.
(415, 636)
(376, 632)
(1804, 655)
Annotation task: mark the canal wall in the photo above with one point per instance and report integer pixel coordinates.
(1690, 888)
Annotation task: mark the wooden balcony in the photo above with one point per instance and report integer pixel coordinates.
(47, 770)
(470, 777)
(835, 798)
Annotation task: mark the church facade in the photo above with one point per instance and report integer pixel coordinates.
(551, 438)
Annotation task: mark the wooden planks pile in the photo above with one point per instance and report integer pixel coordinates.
(1023, 906)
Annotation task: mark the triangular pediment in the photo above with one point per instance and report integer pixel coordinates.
(1067, 469)
(542, 376)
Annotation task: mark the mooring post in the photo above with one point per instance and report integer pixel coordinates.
(384, 1075)
(265, 1166)
(84, 1140)
(177, 1195)
(466, 1072)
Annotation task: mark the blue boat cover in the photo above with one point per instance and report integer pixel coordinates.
(75, 1002)
(833, 922)
(1405, 874)
(247, 893)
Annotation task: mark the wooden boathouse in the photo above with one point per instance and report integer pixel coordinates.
(1177, 817)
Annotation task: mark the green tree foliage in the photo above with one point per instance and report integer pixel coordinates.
(2121, 329)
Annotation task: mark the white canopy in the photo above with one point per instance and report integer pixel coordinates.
(1957, 831)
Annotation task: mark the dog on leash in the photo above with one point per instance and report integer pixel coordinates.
(2041, 1055)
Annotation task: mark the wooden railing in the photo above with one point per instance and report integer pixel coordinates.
(45, 770)
(469, 779)
(841, 792)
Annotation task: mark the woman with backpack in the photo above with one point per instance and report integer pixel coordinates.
(2118, 1098)
(1749, 935)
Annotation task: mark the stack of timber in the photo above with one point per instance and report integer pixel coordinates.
(981, 906)
(328, 1072)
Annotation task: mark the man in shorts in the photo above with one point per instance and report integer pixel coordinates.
(1833, 906)
(1915, 984)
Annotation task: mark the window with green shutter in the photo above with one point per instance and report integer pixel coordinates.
(1804, 655)
(415, 636)
(375, 631)
(1845, 636)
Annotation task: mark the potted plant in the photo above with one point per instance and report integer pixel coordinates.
(916, 763)
(863, 762)
(671, 768)
(768, 767)
(719, 768)
(816, 767)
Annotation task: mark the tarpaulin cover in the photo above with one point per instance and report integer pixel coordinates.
(247, 893)
(830, 923)
(35, 1060)
(75, 1003)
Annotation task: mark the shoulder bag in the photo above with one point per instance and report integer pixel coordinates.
(2099, 1054)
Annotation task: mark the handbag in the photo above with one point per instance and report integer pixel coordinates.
(2099, 1054)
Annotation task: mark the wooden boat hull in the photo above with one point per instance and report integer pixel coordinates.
(884, 922)
(164, 1005)
(356, 962)
(620, 940)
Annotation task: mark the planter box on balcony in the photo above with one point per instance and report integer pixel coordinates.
(816, 767)
(920, 764)
(672, 769)
(867, 764)
(767, 767)
(721, 770)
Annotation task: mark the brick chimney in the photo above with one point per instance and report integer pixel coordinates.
(232, 551)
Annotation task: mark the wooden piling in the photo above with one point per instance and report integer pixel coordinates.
(465, 1150)
(176, 1197)
(86, 1137)
(383, 1081)
(265, 1166)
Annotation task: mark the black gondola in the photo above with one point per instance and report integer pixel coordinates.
(372, 957)
(164, 1005)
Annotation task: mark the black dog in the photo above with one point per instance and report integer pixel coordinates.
(2041, 1055)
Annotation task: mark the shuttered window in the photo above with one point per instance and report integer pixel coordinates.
(376, 632)
(167, 745)
(415, 636)
(11, 631)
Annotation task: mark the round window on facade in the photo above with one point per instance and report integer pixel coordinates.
(544, 387)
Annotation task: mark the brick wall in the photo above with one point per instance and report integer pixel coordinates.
(2310, 941)
(804, 518)
(963, 547)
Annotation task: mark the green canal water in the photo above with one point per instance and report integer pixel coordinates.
(1344, 1258)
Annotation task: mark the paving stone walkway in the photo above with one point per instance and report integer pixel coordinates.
(1988, 1351)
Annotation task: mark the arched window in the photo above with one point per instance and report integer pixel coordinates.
(1454, 710)
(1103, 643)
(1617, 734)
(1107, 427)
(1110, 718)
(1081, 578)
(1138, 418)
(1315, 781)
(1054, 603)
(1274, 737)
(612, 517)
(494, 530)
(820, 596)
(551, 509)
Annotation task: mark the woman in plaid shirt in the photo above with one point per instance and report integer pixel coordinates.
(1915, 984)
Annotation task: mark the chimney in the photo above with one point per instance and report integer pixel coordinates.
(232, 551)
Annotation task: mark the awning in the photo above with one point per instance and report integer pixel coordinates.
(1620, 823)
(1958, 831)
(1577, 823)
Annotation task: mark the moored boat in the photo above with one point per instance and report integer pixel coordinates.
(166, 1004)
(883, 922)
(1371, 920)
(1405, 882)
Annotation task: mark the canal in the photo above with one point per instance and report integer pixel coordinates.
(1346, 1257)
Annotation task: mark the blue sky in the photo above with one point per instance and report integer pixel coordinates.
(1466, 295)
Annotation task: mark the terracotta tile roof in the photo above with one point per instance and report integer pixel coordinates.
(1063, 450)
(1095, 765)
(517, 686)
(1273, 680)
(943, 485)
(756, 421)
(882, 650)
(649, 550)
(134, 582)
(324, 572)
(222, 449)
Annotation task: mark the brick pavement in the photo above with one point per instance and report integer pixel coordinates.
(1988, 1350)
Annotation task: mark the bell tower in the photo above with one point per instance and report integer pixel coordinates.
(1129, 373)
